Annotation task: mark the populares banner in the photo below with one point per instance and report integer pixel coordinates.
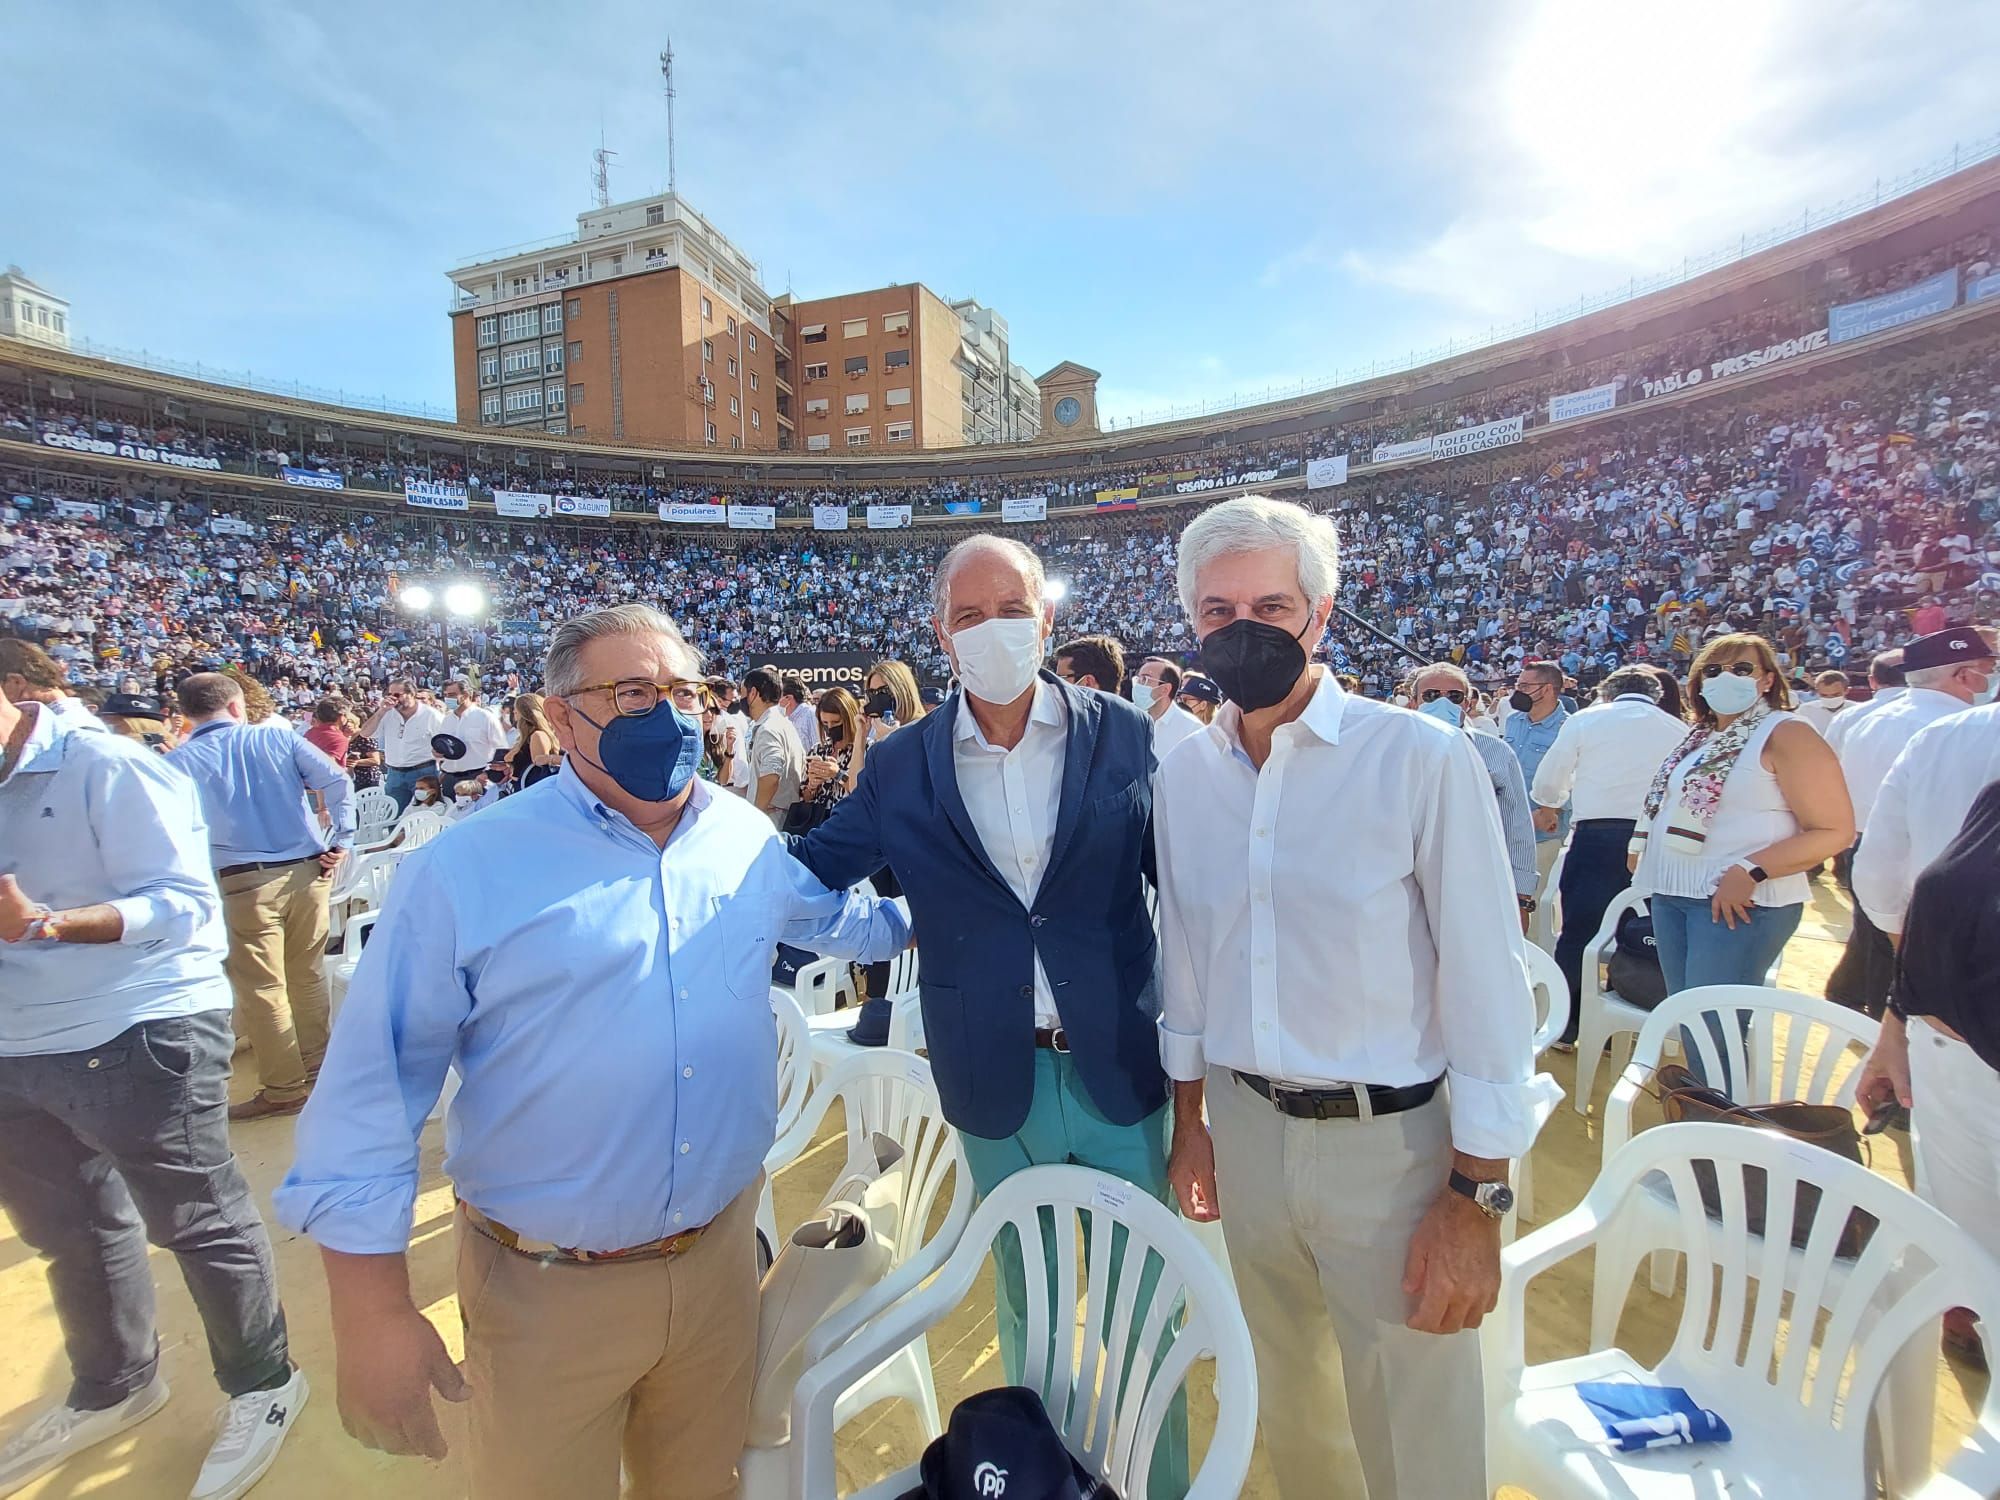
(1024, 508)
(1395, 453)
(1464, 440)
(829, 518)
(1929, 297)
(1735, 364)
(433, 494)
(521, 504)
(753, 518)
(888, 517)
(693, 513)
(312, 479)
(1583, 403)
(598, 506)
(1324, 473)
(55, 437)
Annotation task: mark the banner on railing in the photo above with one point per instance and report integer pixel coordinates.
(522, 505)
(1017, 508)
(433, 494)
(829, 518)
(79, 510)
(1325, 473)
(888, 517)
(312, 479)
(1735, 364)
(1986, 286)
(753, 518)
(596, 506)
(1126, 498)
(230, 526)
(55, 437)
(150, 515)
(1395, 453)
(1929, 297)
(693, 513)
(1583, 403)
(1463, 440)
(1227, 481)
(1163, 484)
(964, 507)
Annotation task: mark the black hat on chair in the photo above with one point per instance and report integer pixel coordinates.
(871, 1022)
(1002, 1446)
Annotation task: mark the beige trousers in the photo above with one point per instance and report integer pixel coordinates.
(1318, 1215)
(277, 944)
(574, 1368)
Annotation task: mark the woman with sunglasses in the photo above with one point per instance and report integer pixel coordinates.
(1747, 803)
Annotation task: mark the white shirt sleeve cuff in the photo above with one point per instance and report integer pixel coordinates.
(1181, 1055)
(144, 918)
(1499, 1121)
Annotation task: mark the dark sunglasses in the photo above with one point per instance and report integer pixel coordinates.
(1456, 695)
(1734, 669)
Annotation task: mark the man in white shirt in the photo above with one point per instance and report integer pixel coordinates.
(1829, 699)
(1945, 672)
(1602, 763)
(733, 730)
(402, 725)
(798, 708)
(1154, 687)
(1885, 679)
(777, 759)
(1359, 1028)
(474, 723)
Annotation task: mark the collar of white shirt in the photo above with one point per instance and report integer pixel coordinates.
(1046, 711)
(1321, 717)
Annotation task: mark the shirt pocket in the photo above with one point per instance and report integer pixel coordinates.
(745, 942)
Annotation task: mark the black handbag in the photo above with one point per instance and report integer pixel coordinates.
(1634, 966)
(803, 816)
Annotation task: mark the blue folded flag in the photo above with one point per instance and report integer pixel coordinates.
(1637, 1417)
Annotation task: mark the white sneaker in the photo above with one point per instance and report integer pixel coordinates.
(249, 1432)
(56, 1434)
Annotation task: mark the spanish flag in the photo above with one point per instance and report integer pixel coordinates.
(371, 637)
(317, 642)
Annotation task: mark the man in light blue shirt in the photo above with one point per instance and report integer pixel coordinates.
(275, 866)
(592, 957)
(1530, 730)
(114, 1081)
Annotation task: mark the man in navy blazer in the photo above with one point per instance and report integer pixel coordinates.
(1017, 818)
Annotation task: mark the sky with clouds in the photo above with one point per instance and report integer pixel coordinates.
(1202, 203)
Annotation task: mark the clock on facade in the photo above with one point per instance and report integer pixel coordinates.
(1068, 410)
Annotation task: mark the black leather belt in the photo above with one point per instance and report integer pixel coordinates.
(264, 864)
(1052, 1038)
(1338, 1103)
(422, 765)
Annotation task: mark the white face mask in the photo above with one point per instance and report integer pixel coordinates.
(1145, 694)
(1730, 694)
(997, 659)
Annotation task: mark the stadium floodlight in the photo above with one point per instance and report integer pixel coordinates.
(1056, 590)
(416, 598)
(465, 598)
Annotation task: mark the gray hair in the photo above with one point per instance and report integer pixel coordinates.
(1629, 680)
(562, 669)
(1448, 669)
(1937, 677)
(1254, 523)
(985, 541)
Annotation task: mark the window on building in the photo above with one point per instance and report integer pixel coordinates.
(708, 314)
(857, 437)
(818, 442)
(517, 286)
(813, 333)
(732, 406)
(558, 426)
(526, 360)
(575, 351)
(552, 357)
(756, 418)
(896, 322)
(59, 322)
(617, 265)
(708, 351)
(524, 323)
(815, 372)
(489, 328)
(854, 328)
(575, 307)
(656, 213)
(732, 364)
(897, 396)
(857, 365)
(753, 341)
(709, 429)
(553, 398)
(753, 380)
(897, 432)
(732, 328)
(576, 395)
(524, 399)
(857, 404)
(552, 317)
(489, 407)
(896, 359)
(489, 368)
(735, 441)
(817, 407)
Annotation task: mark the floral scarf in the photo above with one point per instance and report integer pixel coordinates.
(1701, 792)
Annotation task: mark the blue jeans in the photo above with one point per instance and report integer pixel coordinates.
(401, 784)
(1696, 950)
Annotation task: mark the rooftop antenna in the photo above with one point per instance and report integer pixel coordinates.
(602, 176)
(667, 74)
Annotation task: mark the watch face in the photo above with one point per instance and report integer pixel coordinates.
(1068, 410)
(1496, 1198)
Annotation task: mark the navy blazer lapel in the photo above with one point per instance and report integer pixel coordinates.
(1084, 715)
(941, 726)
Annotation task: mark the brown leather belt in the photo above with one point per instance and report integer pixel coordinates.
(1343, 1103)
(520, 1244)
(264, 864)
(1052, 1038)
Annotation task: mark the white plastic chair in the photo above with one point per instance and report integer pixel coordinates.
(795, 1076)
(340, 967)
(1798, 1398)
(883, 1093)
(1080, 1357)
(374, 814)
(821, 985)
(1545, 926)
(1551, 1016)
(1601, 1015)
(361, 884)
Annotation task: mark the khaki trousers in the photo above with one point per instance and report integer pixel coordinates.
(277, 945)
(574, 1368)
(1318, 1216)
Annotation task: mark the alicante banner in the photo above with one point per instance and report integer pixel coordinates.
(521, 504)
(433, 494)
(888, 517)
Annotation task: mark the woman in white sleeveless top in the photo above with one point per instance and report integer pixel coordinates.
(1748, 802)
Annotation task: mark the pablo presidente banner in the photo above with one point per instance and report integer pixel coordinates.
(1394, 453)
(521, 504)
(753, 518)
(1464, 440)
(312, 479)
(1324, 473)
(1929, 297)
(1735, 364)
(433, 494)
(693, 513)
(584, 505)
(888, 517)
(829, 518)
(1024, 508)
(1583, 403)
(55, 437)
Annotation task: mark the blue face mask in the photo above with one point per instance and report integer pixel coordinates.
(1445, 709)
(652, 756)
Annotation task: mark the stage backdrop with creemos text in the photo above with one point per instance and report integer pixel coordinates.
(825, 669)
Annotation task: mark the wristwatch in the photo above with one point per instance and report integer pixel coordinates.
(1758, 874)
(1527, 903)
(1494, 1199)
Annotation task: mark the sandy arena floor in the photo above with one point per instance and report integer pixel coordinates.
(158, 1461)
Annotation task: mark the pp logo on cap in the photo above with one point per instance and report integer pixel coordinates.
(1960, 643)
(989, 1479)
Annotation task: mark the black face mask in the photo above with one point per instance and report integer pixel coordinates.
(881, 703)
(1520, 701)
(1254, 664)
(739, 705)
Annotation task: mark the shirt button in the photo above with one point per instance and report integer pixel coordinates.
(1028, 860)
(684, 994)
(687, 1072)
(685, 1148)
(94, 1062)
(1037, 920)
(1263, 833)
(677, 1218)
(1027, 993)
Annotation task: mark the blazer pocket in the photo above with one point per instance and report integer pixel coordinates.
(944, 1039)
(1111, 803)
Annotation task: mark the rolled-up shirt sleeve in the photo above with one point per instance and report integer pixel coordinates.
(353, 1183)
(153, 841)
(1485, 1007)
(845, 924)
(319, 772)
(1183, 1014)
